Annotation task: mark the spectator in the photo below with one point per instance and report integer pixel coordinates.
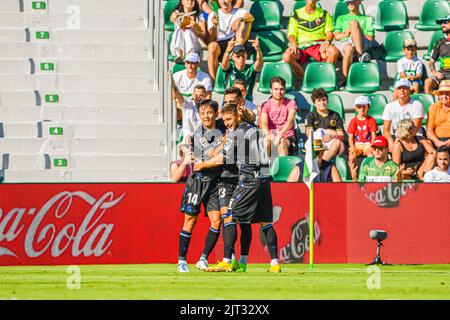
(238, 69)
(410, 67)
(441, 52)
(438, 121)
(310, 33)
(353, 32)
(277, 119)
(416, 155)
(186, 80)
(189, 107)
(231, 23)
(242, 85)
(329, 124)
(441, 173)
(190, 27)
(362, 130)
(402, 108)
(328, 171)
(377, 168)
(208, 6)
(233, 95)
(182, 168)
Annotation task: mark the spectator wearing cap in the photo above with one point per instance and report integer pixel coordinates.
(186, 80)
(327, 170)
(310, 33)
(441, 54)
(226, 24)
(377, 168)
(416, 155)
(328, 124)
(353, 33)
(410, 67)
(277, 119)
(438, 120)
(236, 68)
(190, 27)
(402, 108)
(362, 130)
(440, 173)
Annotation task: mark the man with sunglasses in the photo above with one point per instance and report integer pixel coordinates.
(441, 53)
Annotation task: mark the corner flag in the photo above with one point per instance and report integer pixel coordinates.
(310, 166)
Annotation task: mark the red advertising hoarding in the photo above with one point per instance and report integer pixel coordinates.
(49, 224)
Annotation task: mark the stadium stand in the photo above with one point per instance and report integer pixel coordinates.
(282, 166)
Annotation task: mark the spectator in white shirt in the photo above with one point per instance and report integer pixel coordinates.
(441, 173)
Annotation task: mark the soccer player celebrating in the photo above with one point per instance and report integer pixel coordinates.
(202, 187)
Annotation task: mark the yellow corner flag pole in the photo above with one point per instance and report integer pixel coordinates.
(311, 226)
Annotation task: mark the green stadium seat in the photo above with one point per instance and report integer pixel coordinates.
(169, 40)
(267, 15)
(434, 38)
(393, 44)
(341, 8)
(168, 7)
(178, 67)
(432, 10)
(377, 103)
(391, 15)
(343, 168)
(273, 69)
(282, 167)
(363, 78)
(334, 104)
(427, 100)
(319, 75)
(219, 84)
(273, 43)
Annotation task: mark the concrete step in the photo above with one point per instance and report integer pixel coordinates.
(110, 99)
(50, 21)
(24, 161)
(80, 114)
(77, 51)
(85, 145)
(99, 6)
(57, 82)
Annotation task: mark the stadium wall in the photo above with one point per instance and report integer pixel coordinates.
(62, 224)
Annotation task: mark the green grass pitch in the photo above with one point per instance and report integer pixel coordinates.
(162, 281)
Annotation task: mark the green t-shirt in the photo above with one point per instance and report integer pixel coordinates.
(370, 172)
(365, 22)
(309, 28)
(248, 74)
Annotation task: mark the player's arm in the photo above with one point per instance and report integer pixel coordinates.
(211, 163)
(246, 114)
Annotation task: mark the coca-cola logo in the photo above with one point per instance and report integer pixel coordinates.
(389, 195)
(90, 238)
(295, 250)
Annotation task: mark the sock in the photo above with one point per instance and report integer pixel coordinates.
(246, 238)
(210, 242)
(271, 239)
(185, 238)
(233, 257)
(243, 259)
(229, 239)
(273, 262)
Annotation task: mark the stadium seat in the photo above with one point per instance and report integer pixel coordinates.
(341, 8)
(393, 44)
(273, 43)
(273, 69)
(219, 84)
(319, 75)
(169, 40)
(391, 15)
(363, 78)
(434, 38)
(335, 104)
(267, 15)
(178, 67)
(427, 100)
(282, 167)
(168, 8)
(343, 169)
(377, 103)
(432, 10)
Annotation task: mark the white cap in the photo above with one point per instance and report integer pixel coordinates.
(403, 83)
(361, 101)
(192, 57)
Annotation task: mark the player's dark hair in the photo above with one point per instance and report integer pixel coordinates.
(230, 107)
(200, 87)
(318, 94)
(234, 90)
(443, 149)
(279, 80)
(242, 82)
(209, 103)
(179, 7)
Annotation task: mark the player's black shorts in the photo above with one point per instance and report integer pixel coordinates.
(252, 202)
(226, 190)
(200, 189)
